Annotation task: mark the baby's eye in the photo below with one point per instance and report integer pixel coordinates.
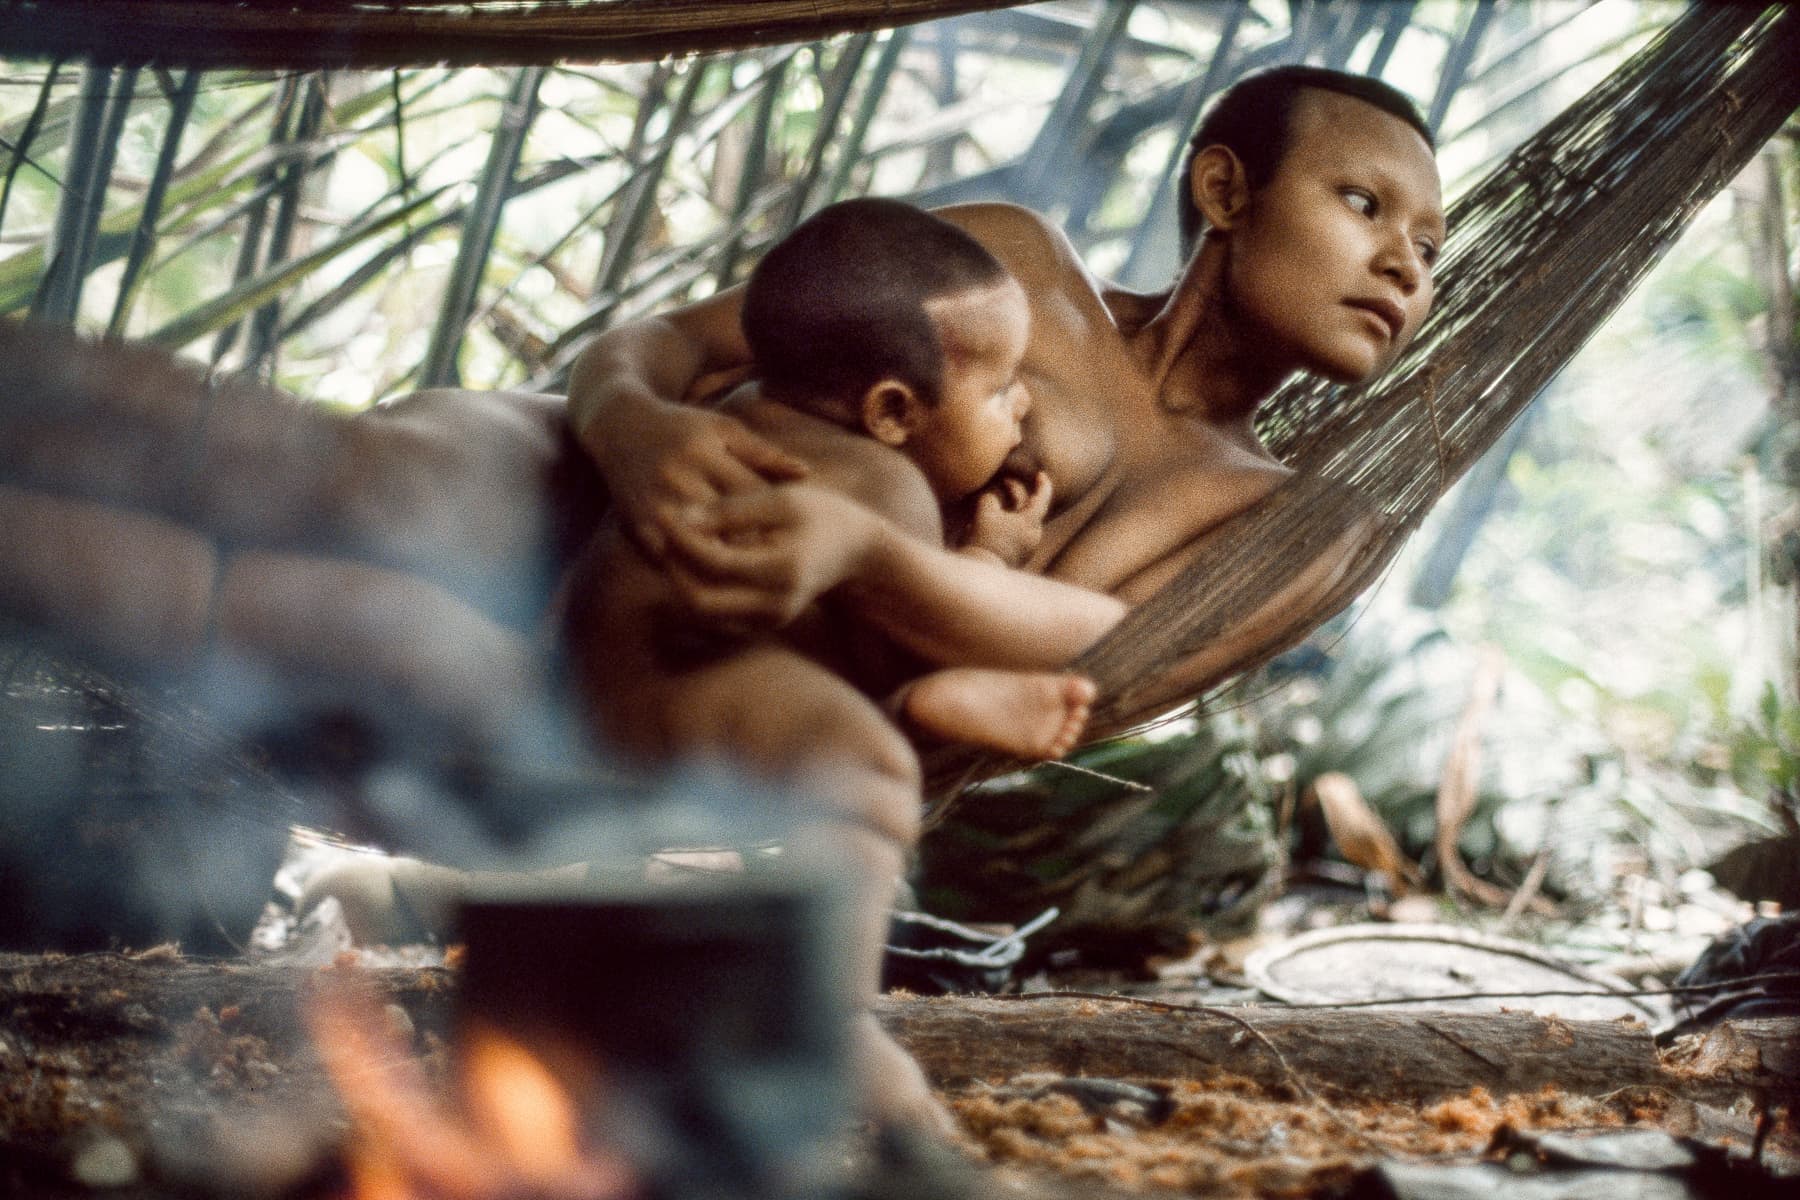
(1360, 201)
(1428, 253)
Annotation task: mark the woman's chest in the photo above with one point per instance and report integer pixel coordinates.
(1164, 490)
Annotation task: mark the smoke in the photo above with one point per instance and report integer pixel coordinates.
(235, 612)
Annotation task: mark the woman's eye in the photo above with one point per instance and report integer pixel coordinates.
(1360, 201)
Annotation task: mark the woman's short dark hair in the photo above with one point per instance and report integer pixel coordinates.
(839, 304)
(1254, 118)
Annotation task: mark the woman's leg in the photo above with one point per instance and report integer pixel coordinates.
(482, 493)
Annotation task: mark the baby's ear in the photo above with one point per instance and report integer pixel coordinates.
(891, 412)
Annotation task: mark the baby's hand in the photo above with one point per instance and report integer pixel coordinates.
(1009, 518)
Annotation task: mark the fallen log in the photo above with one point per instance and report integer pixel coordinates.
(1388, 1054)
(134, 1003)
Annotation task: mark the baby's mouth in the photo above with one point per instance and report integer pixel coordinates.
(1021, 462)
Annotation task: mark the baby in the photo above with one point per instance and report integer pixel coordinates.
(887, 346)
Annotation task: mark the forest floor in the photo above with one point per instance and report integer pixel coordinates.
(154, 1074)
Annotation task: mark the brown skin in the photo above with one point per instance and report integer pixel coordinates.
(396, 561)
(1142, 404)
(891, 458)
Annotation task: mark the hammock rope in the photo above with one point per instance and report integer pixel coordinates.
(1539, 253)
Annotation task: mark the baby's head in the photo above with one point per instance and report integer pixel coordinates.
(881, 317)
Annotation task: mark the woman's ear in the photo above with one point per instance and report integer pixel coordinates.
(891, 412)
(1219, 186)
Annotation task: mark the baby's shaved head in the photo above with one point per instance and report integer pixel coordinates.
(839, 304)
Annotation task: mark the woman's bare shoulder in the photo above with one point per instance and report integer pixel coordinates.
(1028, 242)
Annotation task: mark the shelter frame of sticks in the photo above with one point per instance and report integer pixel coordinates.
(232, 206)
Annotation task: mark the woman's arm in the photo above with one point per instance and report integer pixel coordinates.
(634, 404)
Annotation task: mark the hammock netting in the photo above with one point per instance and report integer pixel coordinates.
(1539, 253)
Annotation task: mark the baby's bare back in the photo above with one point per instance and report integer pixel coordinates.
(642, 661)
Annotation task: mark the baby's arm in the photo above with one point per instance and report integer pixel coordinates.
(947, 607)
(634, 398)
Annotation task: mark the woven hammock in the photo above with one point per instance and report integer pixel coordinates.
(1539, 253)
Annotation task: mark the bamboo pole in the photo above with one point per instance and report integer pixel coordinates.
(750, 171)
(628, 223)
(1041, 171)
(1153, 229)
(1456, 64)
(1398, 19)
(311, 34)
(412, 234)
(851, 151)
(1362, 18)
(100, 115)
(250, 248)
(253, 292)
(21, 153)
(439, 367)
(831, 112)
(287, 206)
(143, 239)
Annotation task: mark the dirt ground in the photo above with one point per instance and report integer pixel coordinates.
(152, 1075)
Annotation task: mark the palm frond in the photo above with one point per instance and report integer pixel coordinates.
(249, 294)
(20, 149)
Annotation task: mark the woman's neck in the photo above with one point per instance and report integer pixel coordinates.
(1200, 356)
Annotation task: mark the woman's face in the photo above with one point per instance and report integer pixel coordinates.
(1331, 260)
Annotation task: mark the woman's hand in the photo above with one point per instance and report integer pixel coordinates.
(759, 558)
(1009, 518)
(681, 457)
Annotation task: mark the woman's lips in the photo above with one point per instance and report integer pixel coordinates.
(1387, 312)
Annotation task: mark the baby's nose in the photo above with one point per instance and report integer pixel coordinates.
(1021, 401)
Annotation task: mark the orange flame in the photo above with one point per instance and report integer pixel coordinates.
(519, 1135)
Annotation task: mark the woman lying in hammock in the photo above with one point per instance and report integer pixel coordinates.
(1317, 201)
(380, 550)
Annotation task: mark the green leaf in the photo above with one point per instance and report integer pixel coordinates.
(252, 293)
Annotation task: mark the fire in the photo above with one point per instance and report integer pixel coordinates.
(513, 1095)
(517, 1134)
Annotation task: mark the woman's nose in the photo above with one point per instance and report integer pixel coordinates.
(1400, 262)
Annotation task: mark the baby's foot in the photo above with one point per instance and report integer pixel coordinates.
(1027, 714)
